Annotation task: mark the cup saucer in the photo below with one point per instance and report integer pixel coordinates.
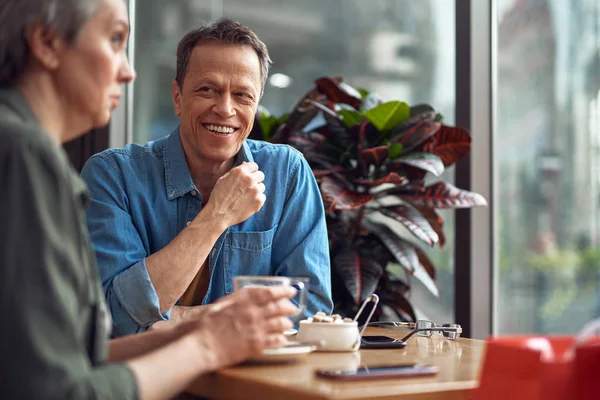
(290, 332)
(294, 351)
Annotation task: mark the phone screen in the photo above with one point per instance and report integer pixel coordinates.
(379, 339)
(381, 371)
(381, 342)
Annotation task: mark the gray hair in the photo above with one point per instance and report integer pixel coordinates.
(17, 17)
(225, 31)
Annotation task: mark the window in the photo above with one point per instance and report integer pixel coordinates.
(547, 160)
(402, 49)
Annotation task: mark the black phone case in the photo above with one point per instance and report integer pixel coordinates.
(382, 345)
(426, 370)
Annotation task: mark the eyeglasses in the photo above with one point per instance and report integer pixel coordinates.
(424, 328)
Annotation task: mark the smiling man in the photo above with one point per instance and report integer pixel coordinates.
(172, 222)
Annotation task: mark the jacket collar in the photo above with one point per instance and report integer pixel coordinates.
(178, 179)
(17, 102)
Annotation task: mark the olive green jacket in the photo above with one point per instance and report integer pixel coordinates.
(55, 327)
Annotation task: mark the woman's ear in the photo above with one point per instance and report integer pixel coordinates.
(45, 46)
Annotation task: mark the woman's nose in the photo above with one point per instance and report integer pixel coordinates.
(126, 73)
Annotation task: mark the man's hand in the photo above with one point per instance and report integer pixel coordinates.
(238, 194)
(243, 324)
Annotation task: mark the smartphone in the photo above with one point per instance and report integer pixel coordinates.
(381, 342)
(387, 371)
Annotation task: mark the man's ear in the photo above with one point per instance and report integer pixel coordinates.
(45, 46)
(176, 94)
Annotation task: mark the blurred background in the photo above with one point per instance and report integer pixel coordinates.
(544, 134)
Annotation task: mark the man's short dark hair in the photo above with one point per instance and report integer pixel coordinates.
(225, 31)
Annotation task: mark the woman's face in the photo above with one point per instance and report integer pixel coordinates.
(93, 69)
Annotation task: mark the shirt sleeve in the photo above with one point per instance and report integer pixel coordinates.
(301, 243)
(120, 252)
(45, 301)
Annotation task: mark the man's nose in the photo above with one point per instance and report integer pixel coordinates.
(224, 106)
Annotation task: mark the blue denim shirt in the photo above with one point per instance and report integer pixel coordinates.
(143, 197)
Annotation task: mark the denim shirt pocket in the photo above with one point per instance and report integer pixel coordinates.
(247, 253)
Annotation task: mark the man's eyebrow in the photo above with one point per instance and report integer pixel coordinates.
(245, 88)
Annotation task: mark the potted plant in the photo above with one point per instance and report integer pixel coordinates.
(370, 159)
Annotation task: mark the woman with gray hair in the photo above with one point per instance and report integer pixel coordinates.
(62, 65)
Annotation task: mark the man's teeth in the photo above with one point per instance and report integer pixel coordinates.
(220, 129)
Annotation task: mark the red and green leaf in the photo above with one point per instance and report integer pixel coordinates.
(422, 275)
(360, 275)
(409, 128)
(401, 249)
(414, 221)
(404, 309)
(424, 161)
(312, 151)
(336, 92)
(337, 196)
(407, 255)
(436, 222)
(420, 109)
(319, 173)
(425, 262)
(392, 177)
(363, 134)
(303, 113)
(444, 195)
(336, 131)
(418, 134)
(452, 144)
(375, 156)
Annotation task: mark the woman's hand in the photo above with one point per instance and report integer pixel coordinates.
(243, 324)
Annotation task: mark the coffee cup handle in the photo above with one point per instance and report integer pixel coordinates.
(301, 288)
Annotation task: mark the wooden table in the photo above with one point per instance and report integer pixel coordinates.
(459, 364)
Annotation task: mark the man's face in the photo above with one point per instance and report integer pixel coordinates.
(218, 101)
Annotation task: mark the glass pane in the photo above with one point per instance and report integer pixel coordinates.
(401, 49)
(547, 158)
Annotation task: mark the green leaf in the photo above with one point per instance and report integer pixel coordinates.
(363, 92)
(282, 118)
(395, 150)
(387, 115)
(369, 102)
(350, 116)
(267, 124)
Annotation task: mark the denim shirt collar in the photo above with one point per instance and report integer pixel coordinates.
(178, 179)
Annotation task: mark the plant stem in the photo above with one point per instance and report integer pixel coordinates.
(358, 222)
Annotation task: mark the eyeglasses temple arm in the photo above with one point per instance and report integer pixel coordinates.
(436, 329)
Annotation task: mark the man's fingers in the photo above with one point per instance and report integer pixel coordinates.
(249, 166)
(261, 187)
(258, 176)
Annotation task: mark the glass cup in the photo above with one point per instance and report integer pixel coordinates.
(300, 284)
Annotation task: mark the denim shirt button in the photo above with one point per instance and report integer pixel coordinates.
(194, 193)
(187, 223)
